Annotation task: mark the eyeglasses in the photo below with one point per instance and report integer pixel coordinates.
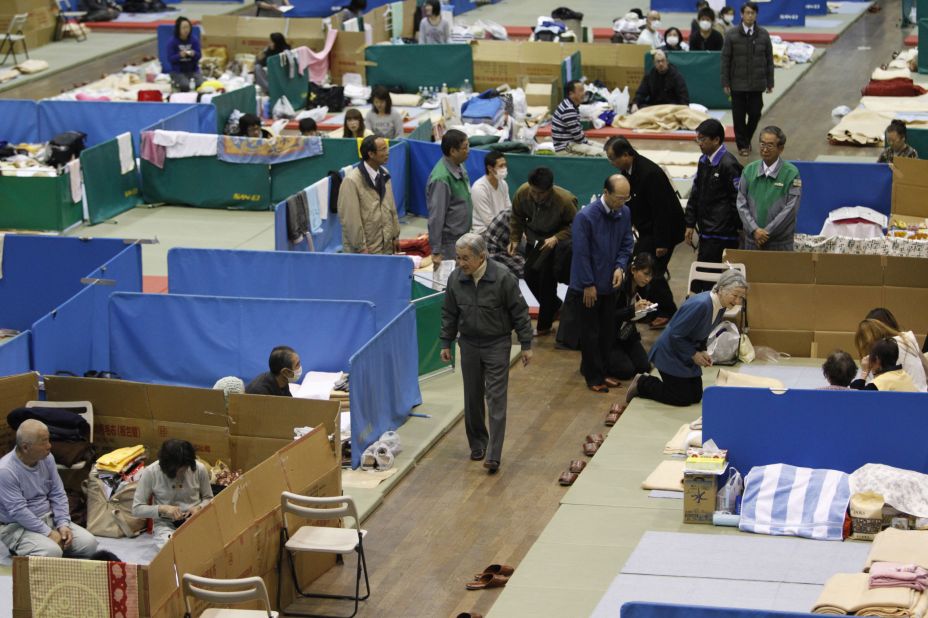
(769, 145)
(701, 138)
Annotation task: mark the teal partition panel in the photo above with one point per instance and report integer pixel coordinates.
(289, 178)
(109, 191)
(702, 71)
(280, 83)
(411, 66)
(582, 176)
(243, 100)
(37, 203)
(207, 182)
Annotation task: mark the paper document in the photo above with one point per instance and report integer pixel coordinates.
(316, 385)
(640, 314)
(285, 9)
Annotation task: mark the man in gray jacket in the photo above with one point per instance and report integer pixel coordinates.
(447, 195)
(483, 305)
(747, 72)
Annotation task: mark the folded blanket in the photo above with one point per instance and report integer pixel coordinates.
(905, 546)
(732, 378)
(684, 438)
(668, 476)
(849, 593)
(896, 87)
(891, 574)
(889, 74)
(896, 104)
(864, 127)
(662, 118)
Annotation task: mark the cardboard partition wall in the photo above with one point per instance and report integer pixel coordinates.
(809, 304)
(15, 392)
(910, 185)
(347, 56)
(40, 27)
(241, 34)
(506, 62)
(616, 66)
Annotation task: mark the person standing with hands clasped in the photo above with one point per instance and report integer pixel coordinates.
(768, 196)
(602, 246)
(483, 305)
(365, 203)
(747, 71)
(680, 352)
(447, 196)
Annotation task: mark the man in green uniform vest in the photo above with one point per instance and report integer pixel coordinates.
(768, 196)
(447, 195)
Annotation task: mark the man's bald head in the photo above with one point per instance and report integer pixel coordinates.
(30, 432)
(616, 191)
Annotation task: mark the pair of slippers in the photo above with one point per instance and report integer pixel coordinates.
(615, 412)
(494, 576)
(592, 444)
(576, 467)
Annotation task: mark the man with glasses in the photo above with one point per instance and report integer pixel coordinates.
(602, 246)
(712, 206)
(768, 196)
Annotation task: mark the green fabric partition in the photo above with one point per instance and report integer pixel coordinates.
(428, 305)
(207, 182)
(422, 133)
(280, 84)
(37, 203)
(571, 70)
(582, 176)
(242, 100)
(411, 66)
(917, 139)
(294, 176)
(702, 71)
(109, 192)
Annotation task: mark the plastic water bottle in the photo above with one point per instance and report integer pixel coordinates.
(466, 88)
(444, 88)
(193, 85)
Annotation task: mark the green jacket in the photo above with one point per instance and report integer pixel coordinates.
(769, 203)
(450, 211)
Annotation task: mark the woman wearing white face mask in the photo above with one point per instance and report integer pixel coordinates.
(706, 38)
(490, 194)
(725, 20)
(285, 367)
(673, 40)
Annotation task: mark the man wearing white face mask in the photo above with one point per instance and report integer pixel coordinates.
(285, 367)
(490, 194)
(705, 37)
(650, 35)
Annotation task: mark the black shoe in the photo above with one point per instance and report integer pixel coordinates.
(477, 454)
(491, 465)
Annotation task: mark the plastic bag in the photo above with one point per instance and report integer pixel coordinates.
(746, 350)
(764, 353)
(283, 109)
(724, 342)
(619, 99)
(726, 500)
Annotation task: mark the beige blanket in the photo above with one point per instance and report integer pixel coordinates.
(684, 438)
(862, 126)
(881, 74)
(850, 593)
(905, 546)
(896, 104)
(668, 476)
(731, 378)
(662, 118)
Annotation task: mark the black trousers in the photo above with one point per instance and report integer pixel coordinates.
(543, 284)
(658, 291)
(711, 250)
(597, 332)
(748, 104)
(671, 390)
(627, 359)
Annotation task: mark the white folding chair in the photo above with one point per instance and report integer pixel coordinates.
(86, 405)
(322, 539)
(14, 34)
(65, 17)
(227, 592)
(710, 272)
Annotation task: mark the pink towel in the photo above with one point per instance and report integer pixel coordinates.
(891, 574)
(152, 152)
(86, 97)
(318, 62)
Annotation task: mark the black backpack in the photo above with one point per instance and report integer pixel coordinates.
(332, 97)
(66, 146)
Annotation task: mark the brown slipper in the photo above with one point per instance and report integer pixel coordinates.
(577, 466)
(615, 412)
(567, 478)
(590, 448)
(488, 580)
(611, 419)
(599, 388)
(499, 569)
(597, 438)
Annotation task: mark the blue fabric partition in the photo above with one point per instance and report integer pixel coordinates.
(199, 118)
(74, 337)
(323, 8)
(422, 158)
(778, 13)
(195, 340)
(104, 120)
(398, 166)
(14, 355)
(666, 610)
(827, 186)
(384, 280)
(384, 382)
(673, 6)
(40, 272)
(839, 430)
(19, 121)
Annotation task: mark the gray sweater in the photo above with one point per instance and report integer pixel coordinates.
(186, 491)
(432, 35)
(389, 126)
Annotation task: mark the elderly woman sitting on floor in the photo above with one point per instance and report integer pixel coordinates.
(680, 352)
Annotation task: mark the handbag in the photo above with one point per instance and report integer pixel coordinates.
(746, 353)
(111, 516)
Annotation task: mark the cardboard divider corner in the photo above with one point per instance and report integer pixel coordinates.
(238, 533)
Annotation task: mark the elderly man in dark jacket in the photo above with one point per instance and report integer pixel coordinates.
(747, 72)
(483, 305)
(712, 209)
(663, 85)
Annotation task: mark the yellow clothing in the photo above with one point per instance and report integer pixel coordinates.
(897, 380)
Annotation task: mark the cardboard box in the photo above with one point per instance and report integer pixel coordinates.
(348, 56)
(780, 306)
(15, 392)
(506, 62)
(842, 307)
(250, 452)
(774, 267)
(212, 444)
(796, 343)
(616, 66)
(275, 417)
(241, 34)
(826, 342)
(699, 492)
(910, 186)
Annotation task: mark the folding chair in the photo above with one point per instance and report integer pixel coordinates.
(67, 16)
(710, 272)
(322, 539)
(14, 34)
(226, 592)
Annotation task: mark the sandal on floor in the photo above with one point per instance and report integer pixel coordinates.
(597, 438)
(497, 569)
(577, 466)
(599, 388)
(567, 478)
(590, 448)
(615, 413)
(488, 580)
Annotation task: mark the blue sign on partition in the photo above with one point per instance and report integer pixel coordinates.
(816, 7)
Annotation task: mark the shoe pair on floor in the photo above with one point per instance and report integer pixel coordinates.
(491, 465)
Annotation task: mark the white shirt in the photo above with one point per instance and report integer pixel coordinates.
(372, 173)
(771, 170)
(748, 30)
(488, 202)
(653, 39)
